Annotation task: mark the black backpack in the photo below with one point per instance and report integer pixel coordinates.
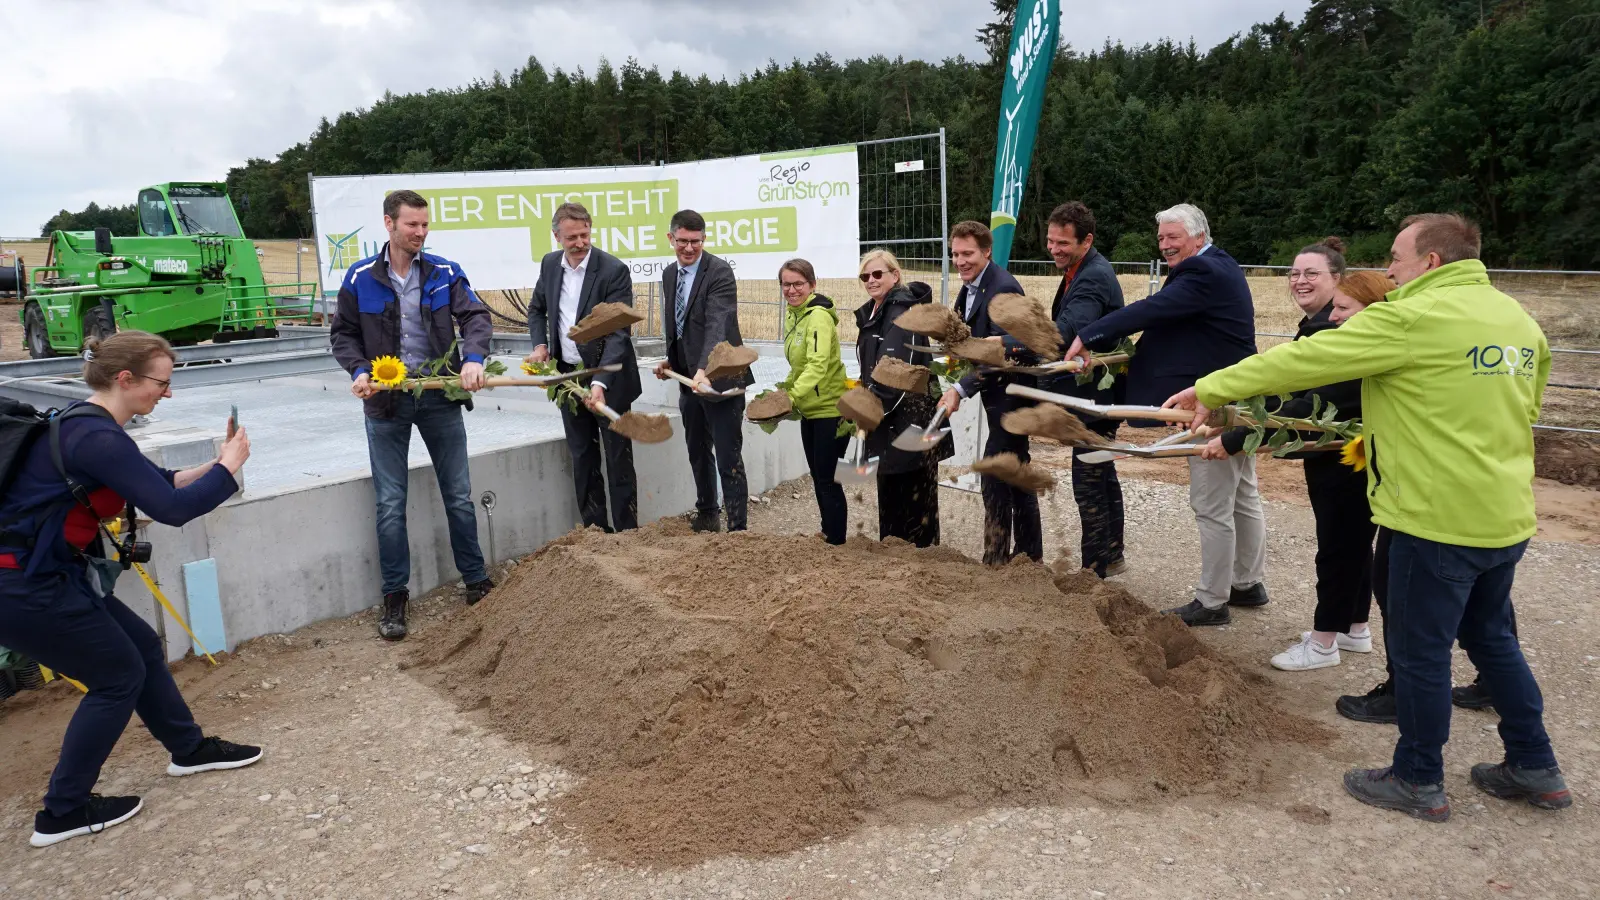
(21, 425)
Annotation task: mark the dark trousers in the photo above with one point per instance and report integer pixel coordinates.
(908, 506)
(1010, 515)
(1380, 592)
(1344, 542)
(714, 433)
(1098, 493)
(444, 432)
(105, 645)
(588, 437)
(1440, 594)
(824, 445)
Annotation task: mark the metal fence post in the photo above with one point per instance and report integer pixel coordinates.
(944, 227)
(1154, 281)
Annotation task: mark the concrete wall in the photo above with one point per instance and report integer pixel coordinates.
(287, 559)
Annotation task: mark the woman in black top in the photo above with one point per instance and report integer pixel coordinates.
(1338, 492)
(908, 482)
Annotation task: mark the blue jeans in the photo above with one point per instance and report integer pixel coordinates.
(1439, 594)
(444, 432)
(100, 642)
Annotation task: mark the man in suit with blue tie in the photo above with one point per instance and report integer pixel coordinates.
(571, 281)
(702, 300)
(1011, 524)
(1201, 320)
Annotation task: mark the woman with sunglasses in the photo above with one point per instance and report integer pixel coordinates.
(815, 383)
(908, 481)
(56, 604)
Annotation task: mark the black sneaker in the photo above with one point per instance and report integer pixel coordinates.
(214, 754)
(392, 625)
(1544, 788)
(93, 817)
(1254, 595)
(1471, 696)
(1386, 790)
(1195, 614)
(1377, 706)
(703, 523)
(478, 590)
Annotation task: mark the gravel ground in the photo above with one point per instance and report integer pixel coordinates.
(375, 786)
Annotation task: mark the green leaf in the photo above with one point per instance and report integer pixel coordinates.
(1293, 446)
(1258, 409)
(494, 367)
(1325, 439)
(1316, 407)
(1252, 441)
(846, 429)
(1084, 377)
(770, 425)
(1279, 438)
(1106, 381)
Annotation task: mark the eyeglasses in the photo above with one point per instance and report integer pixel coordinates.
(1308, 275)
(688, 242)
(874, 275)
(793, 285)
(164, 384)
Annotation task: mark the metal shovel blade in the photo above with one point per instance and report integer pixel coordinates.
(848, 472)
(915, 440)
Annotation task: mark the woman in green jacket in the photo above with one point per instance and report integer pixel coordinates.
(815, 383)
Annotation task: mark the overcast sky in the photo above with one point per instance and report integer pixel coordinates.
(103, 98)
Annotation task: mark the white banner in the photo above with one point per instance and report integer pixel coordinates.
(759, 211)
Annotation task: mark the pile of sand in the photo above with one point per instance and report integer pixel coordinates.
(744, 693)
(862, 407)
(1024, 319)
(773, 404)
(602, 320)
(1008, 467)
(936, 322)
(901, 375)
(728, 361)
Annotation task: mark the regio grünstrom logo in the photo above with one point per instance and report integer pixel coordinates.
(788, 183)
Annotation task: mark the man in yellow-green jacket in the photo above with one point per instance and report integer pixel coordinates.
(1453, 374)
(815, 383)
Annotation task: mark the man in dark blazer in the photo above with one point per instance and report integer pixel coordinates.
(702, 310)
(572, 281)
(1010, 515)
(1088, 292)
(1201, 320)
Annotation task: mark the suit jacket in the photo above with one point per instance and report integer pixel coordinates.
(1200, 321)
(713, 318)
(1094, 293)
(993, 281)
(606, 280)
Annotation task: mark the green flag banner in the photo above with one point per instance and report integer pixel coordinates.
(1033, 48)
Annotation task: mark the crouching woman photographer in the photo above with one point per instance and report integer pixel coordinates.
(56, 604)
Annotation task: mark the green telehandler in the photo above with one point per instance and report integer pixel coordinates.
(190, 275)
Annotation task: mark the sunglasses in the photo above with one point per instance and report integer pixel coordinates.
(874, 275)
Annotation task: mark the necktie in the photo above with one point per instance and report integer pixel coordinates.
(681, 308)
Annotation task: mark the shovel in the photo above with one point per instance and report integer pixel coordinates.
(711, 394)
(861, 469)
(437, 383)
(915, 440)
(1150, 413)
(1122, 450)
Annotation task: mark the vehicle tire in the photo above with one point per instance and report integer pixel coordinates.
(34, 332)
(97, 324)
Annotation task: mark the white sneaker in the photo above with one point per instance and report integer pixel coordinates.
(1306, 655)
(1345, 641)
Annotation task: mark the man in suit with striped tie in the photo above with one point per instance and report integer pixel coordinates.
(702, 301)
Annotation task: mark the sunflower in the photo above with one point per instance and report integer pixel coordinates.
(1354, 454)
(851, 384)
(388, 370)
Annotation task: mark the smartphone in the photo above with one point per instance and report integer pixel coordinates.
(233, 422)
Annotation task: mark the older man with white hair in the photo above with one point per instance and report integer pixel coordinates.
(1200, 321)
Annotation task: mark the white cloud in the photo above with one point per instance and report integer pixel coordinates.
(112, 97)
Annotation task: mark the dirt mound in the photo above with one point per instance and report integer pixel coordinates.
(745, 693)
(1048, 420)
(901, 375)
(774, 404)
(936, 322)
(862, 407)
(727, 361)
(1024, 319)
(980, 351)
(1013, 471)
(602, 320)
(1567, 458)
